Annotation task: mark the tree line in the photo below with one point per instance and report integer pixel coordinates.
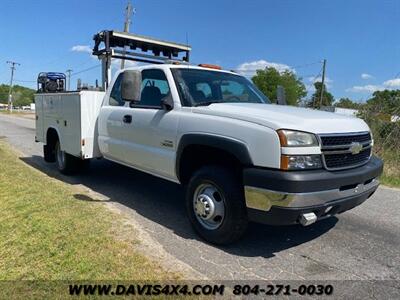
(268, 79)
(21, 95)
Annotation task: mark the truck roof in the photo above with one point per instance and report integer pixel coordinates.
(177, 66)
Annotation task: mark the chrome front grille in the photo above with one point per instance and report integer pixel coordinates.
(343, 151)
(339, 139)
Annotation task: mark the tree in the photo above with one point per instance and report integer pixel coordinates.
(268, 80)
(315, 101)
(347, 103)
(386, 101)
(21, 95)
(381, 112)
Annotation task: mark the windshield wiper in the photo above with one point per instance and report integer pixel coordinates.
(206, 103)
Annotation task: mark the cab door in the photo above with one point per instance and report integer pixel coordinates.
(111, 124)
(141, 135)
(151, 140)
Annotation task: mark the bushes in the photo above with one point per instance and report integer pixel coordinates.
(385, 127)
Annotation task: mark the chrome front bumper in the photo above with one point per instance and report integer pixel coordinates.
(263, 199)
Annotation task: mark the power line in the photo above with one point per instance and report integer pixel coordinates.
(307, 65)
(85, 62)
(313, 80)
(306, 75)
(69, 72)
(289, 67)
(19, 80)
(315, 77)
(39, 65)
(85, 70)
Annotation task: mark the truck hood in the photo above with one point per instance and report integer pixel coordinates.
(285, 117)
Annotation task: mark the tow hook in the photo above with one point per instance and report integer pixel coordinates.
(307, 219)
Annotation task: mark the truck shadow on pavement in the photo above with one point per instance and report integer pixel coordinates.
(163, 203)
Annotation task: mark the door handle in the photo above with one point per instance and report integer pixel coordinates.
(127, 119)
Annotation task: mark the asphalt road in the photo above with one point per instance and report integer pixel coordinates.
(363, 243)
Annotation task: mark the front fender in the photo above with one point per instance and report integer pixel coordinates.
(237, 148)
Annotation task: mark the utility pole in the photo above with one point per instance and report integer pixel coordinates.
(10, 99)
(323, 82)
(128, 14)
(69, 71)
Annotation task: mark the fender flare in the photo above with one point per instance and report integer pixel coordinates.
(237, 148)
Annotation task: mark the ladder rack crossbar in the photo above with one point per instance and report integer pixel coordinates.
(162, 51)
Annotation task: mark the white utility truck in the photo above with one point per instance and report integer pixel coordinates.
(240, 157)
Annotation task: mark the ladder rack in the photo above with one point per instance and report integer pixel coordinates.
(111, 44)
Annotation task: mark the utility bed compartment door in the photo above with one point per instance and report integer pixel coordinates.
(91, 102)
(40, 135)
(70, 123)
(74, 116)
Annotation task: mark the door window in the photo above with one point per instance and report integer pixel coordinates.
(154, 88)
(115, 95)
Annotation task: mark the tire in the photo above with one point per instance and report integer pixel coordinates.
(207, 189)
(49, 154)
(67, 164)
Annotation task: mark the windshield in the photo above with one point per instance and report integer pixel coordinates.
(202, 87)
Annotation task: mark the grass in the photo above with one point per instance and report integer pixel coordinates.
(18, 113)
(390, 181)
(47, 234)
(391, 170)
(7, 112)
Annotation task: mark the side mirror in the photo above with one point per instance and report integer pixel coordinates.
(167, 103)
(131, 85)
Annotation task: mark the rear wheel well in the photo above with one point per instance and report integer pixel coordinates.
(194, 157)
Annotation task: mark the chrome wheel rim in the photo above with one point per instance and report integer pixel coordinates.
(209, 206)
(60, 157)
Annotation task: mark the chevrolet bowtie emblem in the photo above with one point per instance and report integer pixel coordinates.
(355, 148)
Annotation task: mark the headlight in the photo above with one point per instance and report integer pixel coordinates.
(291, 138)
(300, 162)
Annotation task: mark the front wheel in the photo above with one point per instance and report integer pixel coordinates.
(215, 205)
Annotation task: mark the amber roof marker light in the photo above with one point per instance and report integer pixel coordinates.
(210, 66)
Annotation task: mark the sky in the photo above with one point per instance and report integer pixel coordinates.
(359, 38)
